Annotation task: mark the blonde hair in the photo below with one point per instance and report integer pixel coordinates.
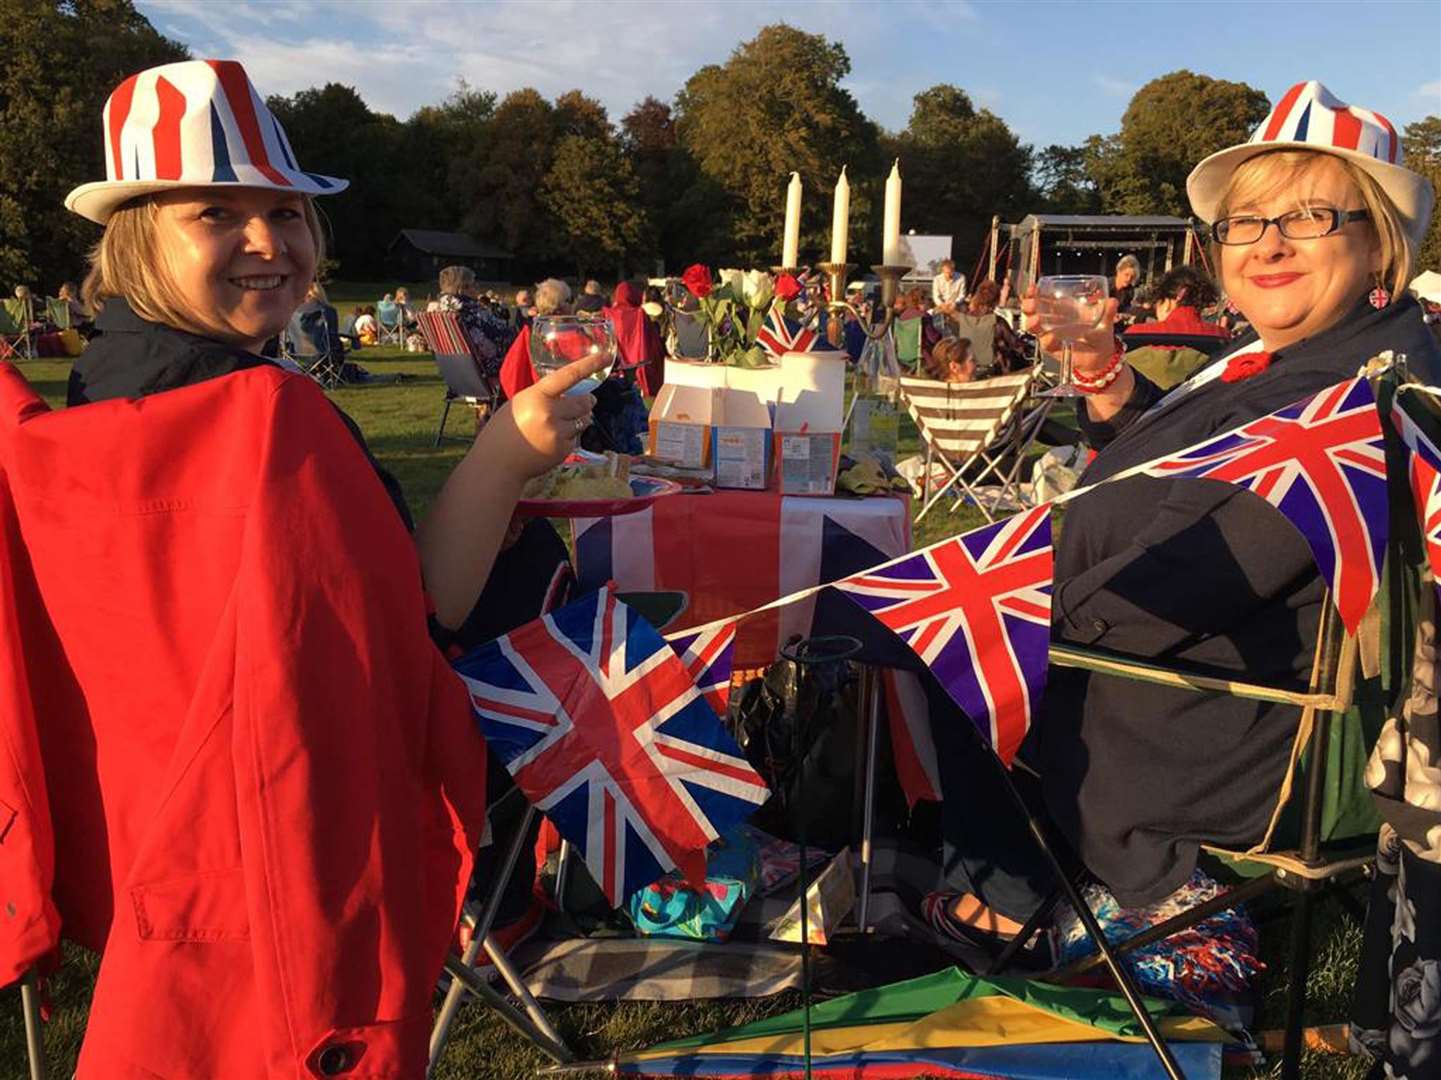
(1266, 174)
(127, 262)
(454, 279)
(550, 296)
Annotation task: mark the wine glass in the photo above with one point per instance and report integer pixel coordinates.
(1069, 305)
(558, 340)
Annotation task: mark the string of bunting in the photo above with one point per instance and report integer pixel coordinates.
(613, 732)
(976, 608)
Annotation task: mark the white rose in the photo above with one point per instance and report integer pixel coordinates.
(735, 279)
(758, 288)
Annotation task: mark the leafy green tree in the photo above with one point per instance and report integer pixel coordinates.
(1421, 144)
(442, 145)
(1171, 124)
(576, 114)
(592, 198)
(507, 170)
(776, 106)
(1063, 182)
(334, 132)
(59, 61)
(961, 166)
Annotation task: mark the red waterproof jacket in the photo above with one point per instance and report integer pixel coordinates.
(232, 756)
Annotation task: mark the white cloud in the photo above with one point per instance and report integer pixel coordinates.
(1116, 87)
(1430, 91)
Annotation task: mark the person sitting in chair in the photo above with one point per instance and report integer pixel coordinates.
(952, 361)
(489, 335)
(222, 804)
(1315, 243)
(1179, 298)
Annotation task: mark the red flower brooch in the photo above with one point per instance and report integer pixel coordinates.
(1246, 366)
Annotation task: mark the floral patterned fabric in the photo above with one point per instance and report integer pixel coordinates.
(1396, 1016)
(488, 332)
(1204, 966)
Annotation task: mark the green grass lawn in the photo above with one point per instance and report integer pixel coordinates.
(399, 421)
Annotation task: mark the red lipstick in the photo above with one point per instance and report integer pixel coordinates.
(1273, 281)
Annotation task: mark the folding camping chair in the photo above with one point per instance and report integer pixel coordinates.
(325, 363)
(909, 335)
(1339, 722)
(16, 341)
(976, 428)
(390, 323)
(57, 312)
(459, 367)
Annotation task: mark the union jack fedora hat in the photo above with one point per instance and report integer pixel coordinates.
(198, 123)
(1310, 117)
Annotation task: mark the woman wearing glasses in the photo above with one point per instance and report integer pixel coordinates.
(1314, 227)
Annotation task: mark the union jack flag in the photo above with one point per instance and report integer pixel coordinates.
(604, 730)
(778, 335)
(707, 655)
(1425, 475)
(976, 608)
(1322, 463)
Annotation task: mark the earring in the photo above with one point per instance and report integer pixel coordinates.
(1378, 297)
(1231, 307)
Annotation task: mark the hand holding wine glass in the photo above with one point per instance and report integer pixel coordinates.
(1070, 313)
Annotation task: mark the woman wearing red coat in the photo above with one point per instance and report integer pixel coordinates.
(264, 814)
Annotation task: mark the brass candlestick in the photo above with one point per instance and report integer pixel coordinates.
(890, 288)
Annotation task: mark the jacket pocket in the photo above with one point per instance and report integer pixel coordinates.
(207, 906)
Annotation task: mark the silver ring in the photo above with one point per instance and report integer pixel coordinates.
(581, 423)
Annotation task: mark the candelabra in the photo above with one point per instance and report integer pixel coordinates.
(890, 276)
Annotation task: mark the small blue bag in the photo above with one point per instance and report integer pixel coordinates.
(671, 908)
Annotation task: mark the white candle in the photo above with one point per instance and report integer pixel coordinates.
(891, 235)
(790, 251)
(841, 220)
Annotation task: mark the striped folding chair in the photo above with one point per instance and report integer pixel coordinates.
(973, 431)
(464, 380)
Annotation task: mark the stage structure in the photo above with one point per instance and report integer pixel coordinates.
(1042, 244)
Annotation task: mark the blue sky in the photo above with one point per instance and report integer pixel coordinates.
(1055, 70)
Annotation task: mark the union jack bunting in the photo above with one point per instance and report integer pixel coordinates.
(780, 335)
(1322, 463)
(1425, 477)
(707, 655)
(604, 730)
(976, 609)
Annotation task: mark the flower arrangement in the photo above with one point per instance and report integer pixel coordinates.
(735, 310)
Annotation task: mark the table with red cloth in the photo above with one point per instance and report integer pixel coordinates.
(731, 551)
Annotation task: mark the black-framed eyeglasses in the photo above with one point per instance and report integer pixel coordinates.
(1308, 223)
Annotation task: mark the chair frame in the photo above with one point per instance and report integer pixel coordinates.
(1012, 432)
(450, 344)
(1304, 871)
(391, 335)
(18, 343)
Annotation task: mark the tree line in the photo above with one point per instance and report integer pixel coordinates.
(566, 188)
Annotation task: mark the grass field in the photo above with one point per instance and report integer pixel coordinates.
(399, 421)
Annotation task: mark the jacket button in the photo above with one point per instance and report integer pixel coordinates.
(333, 1061)
(1100, 626)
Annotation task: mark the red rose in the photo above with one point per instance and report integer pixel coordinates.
(787, 287)
(698, 280)
(1245, 366)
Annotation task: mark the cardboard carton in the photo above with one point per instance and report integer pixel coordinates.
(724, 431)
(741, 441)
(680, 426)
(807, 444)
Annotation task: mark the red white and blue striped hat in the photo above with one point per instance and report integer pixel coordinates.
(1310, 117)
(197, 123)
